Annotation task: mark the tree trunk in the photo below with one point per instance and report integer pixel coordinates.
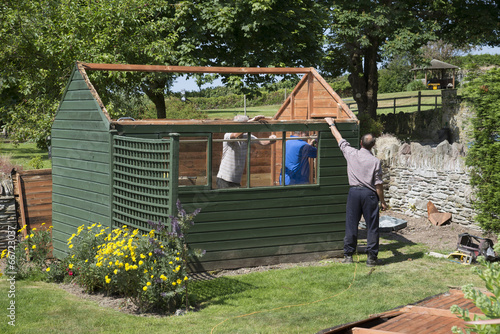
(364, 79)
(154, 90)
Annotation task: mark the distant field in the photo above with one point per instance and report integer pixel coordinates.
(385, 103)
(23, 154)
(268, 111)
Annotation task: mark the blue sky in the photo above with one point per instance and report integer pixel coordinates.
(190, 85)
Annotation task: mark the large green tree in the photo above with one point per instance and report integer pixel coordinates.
(363, 33)
(42, 39)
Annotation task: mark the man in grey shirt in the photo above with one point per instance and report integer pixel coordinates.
(365, 178)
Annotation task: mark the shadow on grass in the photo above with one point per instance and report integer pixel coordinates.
(216, 291)
(397, 243)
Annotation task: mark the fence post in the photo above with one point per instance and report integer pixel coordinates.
(394, 105)
(419, 99)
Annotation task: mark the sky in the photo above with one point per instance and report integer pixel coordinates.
(190, 85)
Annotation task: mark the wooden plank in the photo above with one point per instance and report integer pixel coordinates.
(193, 69)
(22, 209)
(358, 330)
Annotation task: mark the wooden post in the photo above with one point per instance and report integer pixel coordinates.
(394, 105)
(419, 99)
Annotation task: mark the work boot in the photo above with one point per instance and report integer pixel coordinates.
(347, 259)
(372, 261)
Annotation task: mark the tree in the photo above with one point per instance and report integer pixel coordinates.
(42, 39)
(483, 95)
(443, 51)
(363, 33)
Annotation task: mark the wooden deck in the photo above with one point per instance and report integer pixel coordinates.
(430, 316)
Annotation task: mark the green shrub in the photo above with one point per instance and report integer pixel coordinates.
(31, 254)
(483, 95)
(150, 269)
(369, 125)
(36, 163)
(415, 86)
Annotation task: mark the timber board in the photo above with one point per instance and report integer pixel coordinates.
(335, 222)
(333, 236)
(430, 316)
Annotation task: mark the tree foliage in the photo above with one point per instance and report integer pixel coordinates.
(42, 39)
(363, 33)
(483, 95)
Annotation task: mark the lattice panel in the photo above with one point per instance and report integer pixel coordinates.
(144, 176)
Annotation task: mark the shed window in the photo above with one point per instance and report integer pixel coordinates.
(193, 160)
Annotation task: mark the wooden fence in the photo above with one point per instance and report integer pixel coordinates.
(33, 193)
(410, 103)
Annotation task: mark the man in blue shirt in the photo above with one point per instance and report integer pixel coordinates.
(298, 152)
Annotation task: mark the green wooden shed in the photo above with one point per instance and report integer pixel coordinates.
(126, 172)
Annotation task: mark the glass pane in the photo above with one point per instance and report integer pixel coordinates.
(300, 161)
(262, 159)
(229, 156)
(193, 161)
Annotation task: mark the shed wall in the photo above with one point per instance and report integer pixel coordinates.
(267, 225)
(80, 163)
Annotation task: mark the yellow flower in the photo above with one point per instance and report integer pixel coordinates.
(163, 277)
(73, 256)
(152, 276)
(34, 246)
(70, 246)
(33, 229)
(148, 283)
(143, 256)
(179, 281)
(145, 288)
(107, 279)
(173, 283)
(186, 278)
(48, 269)
(141, 263)
(176, 259)
(86, 260)
(43, 224)
(150, 254)
(116, 271)
(145, 270)
(71, 266)
(32, 235)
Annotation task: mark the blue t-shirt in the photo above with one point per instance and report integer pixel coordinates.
(297, 157)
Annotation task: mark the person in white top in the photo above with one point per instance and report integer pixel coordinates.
(234, 154)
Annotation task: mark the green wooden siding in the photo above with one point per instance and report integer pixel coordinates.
(96, 180)
(256, 226)
(80, 164)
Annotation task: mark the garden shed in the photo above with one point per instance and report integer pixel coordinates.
(126, 172)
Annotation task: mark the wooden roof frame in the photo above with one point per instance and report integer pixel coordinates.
(344, 114)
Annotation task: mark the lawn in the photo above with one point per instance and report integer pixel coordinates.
(24, 154)
(404, 100)
(294, 300)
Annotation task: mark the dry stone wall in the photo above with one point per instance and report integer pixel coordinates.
(415, 174)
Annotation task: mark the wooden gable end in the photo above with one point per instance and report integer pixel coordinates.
(314, 98)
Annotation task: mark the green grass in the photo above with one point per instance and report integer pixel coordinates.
(295, 300)
(268, 111)
(387, 105)
(23, 153)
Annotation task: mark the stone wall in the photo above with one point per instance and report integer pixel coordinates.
(415, 174)
(8, 219)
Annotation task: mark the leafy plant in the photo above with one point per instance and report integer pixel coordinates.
(489, 304)
(483, 95)
(31, 253)
(150, 268)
